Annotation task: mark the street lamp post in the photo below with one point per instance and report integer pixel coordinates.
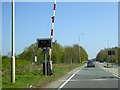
(79, 51)
(108, 55)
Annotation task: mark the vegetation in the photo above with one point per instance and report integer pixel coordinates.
(103, 54)
(31, 73)
(28, 73)
(60, 54)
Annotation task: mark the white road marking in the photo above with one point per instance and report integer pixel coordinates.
(67, 80)
(116, 76)
(89, 80)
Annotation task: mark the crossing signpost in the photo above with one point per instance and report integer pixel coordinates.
(110, 53)
(44, 43)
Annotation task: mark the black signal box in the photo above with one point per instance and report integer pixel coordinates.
(44, 43)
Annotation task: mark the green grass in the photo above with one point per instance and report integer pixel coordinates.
(28, 74)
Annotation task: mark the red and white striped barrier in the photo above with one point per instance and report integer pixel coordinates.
(52, 33)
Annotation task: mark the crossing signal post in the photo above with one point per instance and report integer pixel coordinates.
(45, 43)
(45, 63)
(110, 53)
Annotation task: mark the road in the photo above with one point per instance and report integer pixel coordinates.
(94, 78)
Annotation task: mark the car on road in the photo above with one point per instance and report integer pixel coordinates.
(101, 60)
(90, 63)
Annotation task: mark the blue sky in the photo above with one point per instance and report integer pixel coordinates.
(95, 22)
(0, 29)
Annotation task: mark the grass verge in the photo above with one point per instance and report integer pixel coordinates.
(28, 74)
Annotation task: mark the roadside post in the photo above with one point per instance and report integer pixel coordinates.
(13, 44)
(45, 62)
(113, 53)
(35, 58)
(110, 53)
(33, 54)
(44, 43)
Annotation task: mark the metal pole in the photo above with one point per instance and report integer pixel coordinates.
(108, 55)
(112, 58)
(13, 46)
(79, 51)
(45, 66)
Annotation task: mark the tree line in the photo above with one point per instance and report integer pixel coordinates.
(60, 54)
(103, 54)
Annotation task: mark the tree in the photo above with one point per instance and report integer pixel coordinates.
(103, 54)
(60, 54)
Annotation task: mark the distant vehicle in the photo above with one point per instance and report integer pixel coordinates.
(90, 63)
(101, 61)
